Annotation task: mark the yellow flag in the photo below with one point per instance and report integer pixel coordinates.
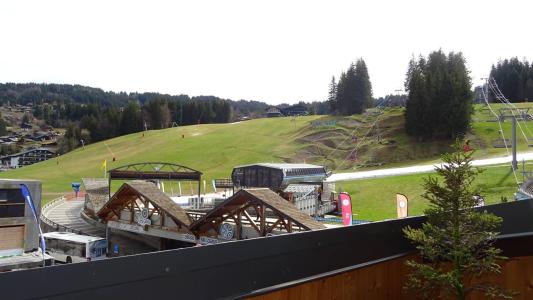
(104, 165)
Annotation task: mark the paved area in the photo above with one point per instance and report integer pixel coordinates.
(422, 168)
(67, 213)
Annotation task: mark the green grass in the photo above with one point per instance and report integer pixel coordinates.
(215, 149)
(375, 199)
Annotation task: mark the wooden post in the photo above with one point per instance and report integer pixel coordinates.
(263, 220)
(131, 213)
(199, 191)
(290, 225)
(238, 226)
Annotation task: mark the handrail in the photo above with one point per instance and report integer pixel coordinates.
(55, 226)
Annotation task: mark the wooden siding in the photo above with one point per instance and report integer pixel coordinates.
(12, 237)
(385, 281)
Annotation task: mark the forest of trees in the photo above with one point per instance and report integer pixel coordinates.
(92, 115)
(391, 100)
(353, 93)
(78, 100)
(439, 101)
(514, 78)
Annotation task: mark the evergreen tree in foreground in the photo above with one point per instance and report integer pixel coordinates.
(456, 241)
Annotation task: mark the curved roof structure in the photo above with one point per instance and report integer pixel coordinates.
(155, 170)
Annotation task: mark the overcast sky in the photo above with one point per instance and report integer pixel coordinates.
(272, 51)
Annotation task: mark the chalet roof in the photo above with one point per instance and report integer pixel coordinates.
(270, 199)
(274, 109)
(97, 190)
(130, 191)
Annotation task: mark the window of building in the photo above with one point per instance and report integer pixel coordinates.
(11, 203)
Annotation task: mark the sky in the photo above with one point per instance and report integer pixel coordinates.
(271, 51)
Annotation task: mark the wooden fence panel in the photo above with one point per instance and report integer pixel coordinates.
(385, 281)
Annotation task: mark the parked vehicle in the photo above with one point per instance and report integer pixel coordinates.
(69, 247)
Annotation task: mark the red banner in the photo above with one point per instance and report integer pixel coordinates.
(346, 204)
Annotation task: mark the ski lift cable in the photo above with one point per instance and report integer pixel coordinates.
(485, 97)
(514, 116)
(526, 140)
(501, 97)
(344, 141)
(499, 122)
(359, 141)
(379, 107)
(356, 148)
(500, 94)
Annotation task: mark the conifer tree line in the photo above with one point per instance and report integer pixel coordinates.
(156, 114)
(353, 93)
(514, 78)
(439, 100)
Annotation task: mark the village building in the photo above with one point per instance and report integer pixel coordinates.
(252, 213)
(295, 110)
(26, 126)
(302, 184)
(41, 136)
(141, 211)
(96, 195)
(26, 158)
(273, 112)
(18, 230)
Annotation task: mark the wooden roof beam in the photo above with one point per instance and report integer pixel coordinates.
(247, 216)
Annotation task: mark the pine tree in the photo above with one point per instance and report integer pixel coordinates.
(332, 95)
(417, 120)
(351, 103)
(362, 87)
(439, 103)
(353, 93)
(456, 241)
(456, 114)
(342, 97)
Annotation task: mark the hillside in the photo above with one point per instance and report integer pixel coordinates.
(215, 149)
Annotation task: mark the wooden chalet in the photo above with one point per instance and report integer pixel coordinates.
(140, 209)
(273, 112)
(295, 110)
(251, 213)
